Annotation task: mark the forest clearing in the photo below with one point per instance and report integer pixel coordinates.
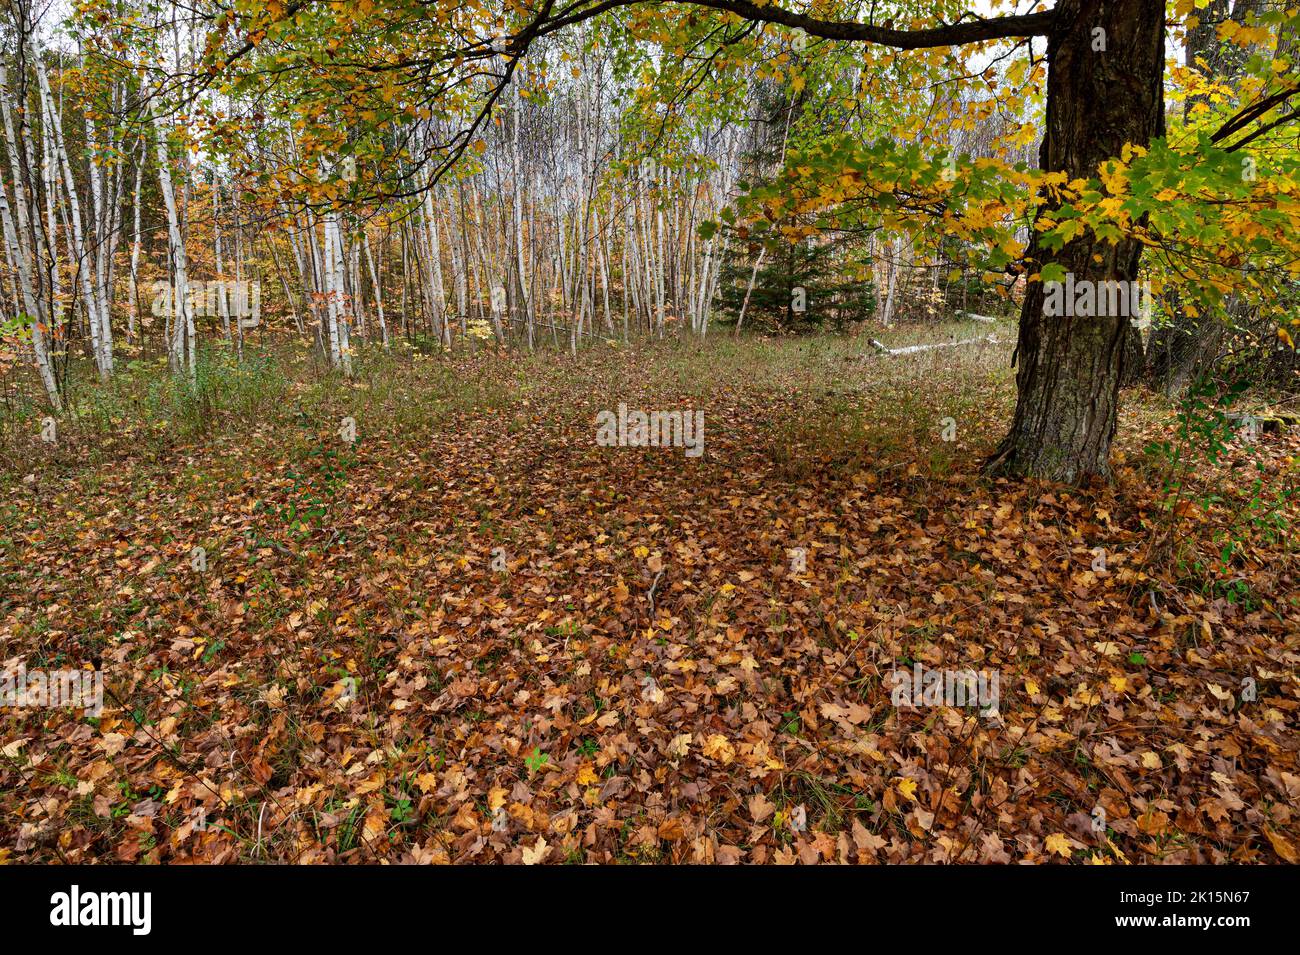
(654, 674)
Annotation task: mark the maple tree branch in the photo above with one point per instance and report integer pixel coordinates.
(1267, 127)
(949, 34)
(1249, 114)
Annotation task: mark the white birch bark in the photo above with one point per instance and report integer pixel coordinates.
(20, 254)
(378, 287)
(179, 356)
(91, 299)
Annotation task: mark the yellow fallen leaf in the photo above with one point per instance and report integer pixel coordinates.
(375, 825)
(1059, 844)
(718, 747)
(1282, 847)
(538, 853)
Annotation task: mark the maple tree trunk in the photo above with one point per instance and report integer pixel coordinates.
(1069, 369)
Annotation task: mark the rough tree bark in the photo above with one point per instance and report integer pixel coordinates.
(1069, 369)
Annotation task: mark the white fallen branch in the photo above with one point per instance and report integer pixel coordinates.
(978, 318)
(912, 349)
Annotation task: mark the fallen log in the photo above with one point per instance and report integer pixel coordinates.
(912, 349)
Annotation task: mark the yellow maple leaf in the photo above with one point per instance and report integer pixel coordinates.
(1058, 843)
(719, 747)
(537, 853)
(908, 788)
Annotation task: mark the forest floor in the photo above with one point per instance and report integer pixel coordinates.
(344, 673)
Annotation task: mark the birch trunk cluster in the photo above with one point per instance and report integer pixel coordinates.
(122, 224)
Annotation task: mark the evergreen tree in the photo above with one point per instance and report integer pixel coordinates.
(808, 284)
(816, 282)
